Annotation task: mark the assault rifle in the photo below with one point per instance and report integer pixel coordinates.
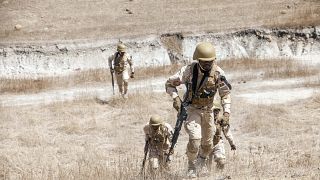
(146, 149)
(181, 117)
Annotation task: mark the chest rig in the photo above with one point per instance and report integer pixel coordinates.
(119, 62)
(202, 94)
(158, 137)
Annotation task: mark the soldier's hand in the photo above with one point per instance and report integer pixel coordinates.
(132, 75)
(233, 147)
(112, 70)
(177, 103)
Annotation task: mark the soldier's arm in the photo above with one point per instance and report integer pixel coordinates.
(224, 89)
(179, 78)
(146, 132)
(227, 133)
(130, 62)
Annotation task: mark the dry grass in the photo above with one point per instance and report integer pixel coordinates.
(87, 140)
(149, 17)
(249, 68)
(268, 68)
(307, 15)
(77, 79)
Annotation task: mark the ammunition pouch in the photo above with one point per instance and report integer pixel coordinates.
(119, 69)
(202, 102)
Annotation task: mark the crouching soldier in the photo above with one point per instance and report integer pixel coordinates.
(158, 135)
(223, 127)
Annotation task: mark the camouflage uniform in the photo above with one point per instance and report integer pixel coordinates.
(218, 152)
(159, 144)
(120, 65)
(201, 88)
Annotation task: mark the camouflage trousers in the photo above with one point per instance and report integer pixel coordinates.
(218, 154)
(122, 81)
(157, 159)
(200, 128)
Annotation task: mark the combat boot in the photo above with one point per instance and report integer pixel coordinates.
(192, 173)
(202, 168)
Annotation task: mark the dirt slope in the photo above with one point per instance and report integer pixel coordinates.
(82, 19)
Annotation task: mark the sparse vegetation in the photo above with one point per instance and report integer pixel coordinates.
(77, 79)
(268, 68)
(88, 140)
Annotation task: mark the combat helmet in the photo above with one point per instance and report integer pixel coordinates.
(121, 47)
(204, 52)
(156, 120)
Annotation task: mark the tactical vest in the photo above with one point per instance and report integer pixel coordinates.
(203, 95)
(119, 62)
(158, 138)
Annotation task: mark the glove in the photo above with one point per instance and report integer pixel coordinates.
(233, 147)
(224, 120)
(132, 75)
(111, 70)
(176, 103)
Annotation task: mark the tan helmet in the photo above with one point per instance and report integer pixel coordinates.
(204, 52)
(156, 120)
(121, 47)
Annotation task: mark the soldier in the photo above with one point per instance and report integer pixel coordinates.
(121, 59)
(202, 79)
(158, 135)
(218, 152)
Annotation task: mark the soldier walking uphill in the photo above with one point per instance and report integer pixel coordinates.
(223, 127)
(121, 60)
(158, 136)
(203, 79)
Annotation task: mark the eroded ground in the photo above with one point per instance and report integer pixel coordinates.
(43, 20)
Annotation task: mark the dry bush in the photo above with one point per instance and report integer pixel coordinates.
(35, 85)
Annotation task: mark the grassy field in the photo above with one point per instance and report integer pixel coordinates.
(88, 140)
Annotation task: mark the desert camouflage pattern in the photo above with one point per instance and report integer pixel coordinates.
(121, 66)
(200, 122)
(159, 143)
(184, 76)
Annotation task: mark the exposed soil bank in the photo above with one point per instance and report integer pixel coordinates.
(36, 60)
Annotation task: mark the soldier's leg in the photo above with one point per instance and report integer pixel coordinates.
(219, 154)
(207, 130)
(216, 139)
(154, 163)
(119, 82)
(125, 78)
(125, 87)
(193, 129)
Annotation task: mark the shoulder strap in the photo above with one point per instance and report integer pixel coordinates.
(195, 72)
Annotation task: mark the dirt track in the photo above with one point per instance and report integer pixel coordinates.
(43, 20)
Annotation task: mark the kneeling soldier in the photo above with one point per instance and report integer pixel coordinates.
(158, 136)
